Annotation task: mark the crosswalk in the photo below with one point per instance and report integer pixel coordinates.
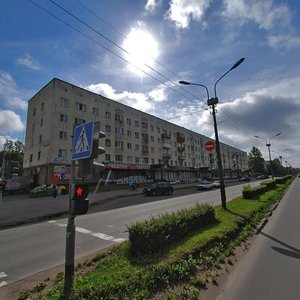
(2, 275)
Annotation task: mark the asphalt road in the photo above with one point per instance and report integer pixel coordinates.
(29, 249)
(271, 268)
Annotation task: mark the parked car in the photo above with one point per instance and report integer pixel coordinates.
(2, 184)
(159, 188)
(245, 178)
(216, 184)
(205, 185)
(264, 176)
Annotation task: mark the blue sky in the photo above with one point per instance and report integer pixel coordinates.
(83, 42)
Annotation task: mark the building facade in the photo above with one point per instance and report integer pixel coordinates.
(138, 145)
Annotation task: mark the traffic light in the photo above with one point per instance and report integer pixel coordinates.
(79, 201)
(97, 134)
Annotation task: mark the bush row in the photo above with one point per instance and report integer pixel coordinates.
(152, 235)
(266, 185)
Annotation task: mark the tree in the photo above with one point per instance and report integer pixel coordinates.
(256, 161)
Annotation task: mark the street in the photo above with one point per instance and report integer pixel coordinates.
(270, 270)
(29, 249)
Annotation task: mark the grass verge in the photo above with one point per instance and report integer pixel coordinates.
(179, 271)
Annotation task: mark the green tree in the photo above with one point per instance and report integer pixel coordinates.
(256, 161)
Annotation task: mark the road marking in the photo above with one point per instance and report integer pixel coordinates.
(98, 235)
(2, 275)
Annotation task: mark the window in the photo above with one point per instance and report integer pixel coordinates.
(107, 143)
(119, 157)
(63, 135)
(64, 118)
(136, 123)
(34, 112)
(137, 159)
(129, 159)
(79, 121)
(95, 111)
(39, 155)
(42, 106)
(137, 147)
(129, 146)
(40, 139)
(158, 129)
(64, 101)
(30, 158)
(42, 122)
(119, 144)
(80, 106)
(145, 160)
(128, 133)
(128, 121)
(118, 117)
(62, 153)
(107, 115)
(107, 128)
(152, 138)
(152, 150)
(136, 134)
(152, 128)
(144, 125)
(119, 130)
(107, 157)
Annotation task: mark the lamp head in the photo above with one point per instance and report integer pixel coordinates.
(237, 63)
(184, 82)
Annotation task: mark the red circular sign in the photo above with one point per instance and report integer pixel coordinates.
(209, 146)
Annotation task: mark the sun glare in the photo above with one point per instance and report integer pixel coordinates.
(142, 49)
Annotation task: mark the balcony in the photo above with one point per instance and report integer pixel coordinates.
(166, 145)
(166, 155)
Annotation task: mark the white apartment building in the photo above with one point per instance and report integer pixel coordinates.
(138, 145)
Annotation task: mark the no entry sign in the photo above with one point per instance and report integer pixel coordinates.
(209, 146)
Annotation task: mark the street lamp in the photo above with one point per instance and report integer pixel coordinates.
(268, 144)
(213, 102)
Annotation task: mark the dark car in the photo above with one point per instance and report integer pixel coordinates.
(246, 178)
(159, 188)
(2, 184)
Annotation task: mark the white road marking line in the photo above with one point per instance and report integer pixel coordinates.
(2, 275)
(99, 235)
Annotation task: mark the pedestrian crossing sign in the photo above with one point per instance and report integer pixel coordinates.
(82, 141)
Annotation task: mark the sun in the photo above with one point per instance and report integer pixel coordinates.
(142, 50)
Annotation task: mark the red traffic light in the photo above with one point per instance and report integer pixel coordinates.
(80, 191)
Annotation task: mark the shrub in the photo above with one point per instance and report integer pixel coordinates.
(152, 235)
(270, 184)
(254, 191)
(283, 179)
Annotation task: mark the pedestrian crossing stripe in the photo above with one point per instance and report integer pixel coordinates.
(82, 142)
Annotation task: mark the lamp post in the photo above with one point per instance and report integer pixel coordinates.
(213, 102)
(268, 144)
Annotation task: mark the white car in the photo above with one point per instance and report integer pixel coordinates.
(216, 184)
(205, 185)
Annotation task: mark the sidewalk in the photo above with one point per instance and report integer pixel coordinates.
(21, 209)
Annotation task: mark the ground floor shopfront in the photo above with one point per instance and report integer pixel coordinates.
(124, 173)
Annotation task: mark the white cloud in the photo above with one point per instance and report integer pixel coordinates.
(10, 122)
(284, 41)
(264, 13)
(9, 93)
(152, 4)
(28, 61)
(138, 101)
(182, 12)
(158, 95)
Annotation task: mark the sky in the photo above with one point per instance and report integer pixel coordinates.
(136, 52)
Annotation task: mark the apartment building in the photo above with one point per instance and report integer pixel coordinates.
(138, 145)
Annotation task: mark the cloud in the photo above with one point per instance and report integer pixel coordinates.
(10, 122)
(152, 4)
(28, 61)
(138, 101)
(182, 12)
(283, 41)
(158, 95)
(265, 14)
(9, 93)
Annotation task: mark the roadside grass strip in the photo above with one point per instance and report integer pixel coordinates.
(181, 268)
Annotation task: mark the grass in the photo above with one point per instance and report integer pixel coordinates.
(116, 274)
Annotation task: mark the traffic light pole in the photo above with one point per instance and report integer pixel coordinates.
(70, 242)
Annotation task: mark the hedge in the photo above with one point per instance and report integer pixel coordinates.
(152, 235)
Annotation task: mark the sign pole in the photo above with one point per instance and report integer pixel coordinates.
(70, 241)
